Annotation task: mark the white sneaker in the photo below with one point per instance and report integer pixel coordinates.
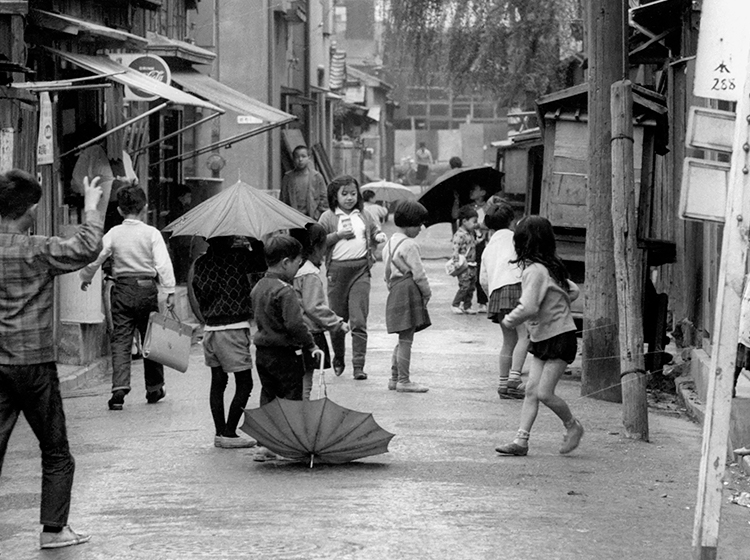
(481, 308)
(470, 311)
(66, 537)
(457, 310)
(233, 442)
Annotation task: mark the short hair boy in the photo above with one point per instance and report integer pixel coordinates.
(28, 373)
(139, 260)
(282, 334)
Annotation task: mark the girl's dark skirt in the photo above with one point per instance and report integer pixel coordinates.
(561, 347)
(503, 301)
(405, 308)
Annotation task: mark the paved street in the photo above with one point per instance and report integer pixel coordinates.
(150, 484)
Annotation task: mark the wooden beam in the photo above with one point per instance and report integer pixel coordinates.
(734, 250)
(628, 265)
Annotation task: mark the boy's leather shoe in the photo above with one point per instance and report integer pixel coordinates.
(155, 396)
(117, 400)
(512, 448)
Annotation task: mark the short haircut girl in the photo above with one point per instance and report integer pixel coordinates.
(499, 216)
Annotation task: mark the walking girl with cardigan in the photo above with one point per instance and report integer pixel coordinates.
(546, 293)
(352, 238)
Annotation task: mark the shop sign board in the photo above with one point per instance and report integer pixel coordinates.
(151, 65)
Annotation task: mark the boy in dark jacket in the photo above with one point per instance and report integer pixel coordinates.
(282, 333)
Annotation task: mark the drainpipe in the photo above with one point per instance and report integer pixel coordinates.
(271, 42)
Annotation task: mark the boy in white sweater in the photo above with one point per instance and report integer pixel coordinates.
(139, 260)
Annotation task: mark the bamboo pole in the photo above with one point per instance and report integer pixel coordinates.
(628, 264)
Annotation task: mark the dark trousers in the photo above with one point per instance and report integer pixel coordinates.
(132, 301)
(481, 296)
(35, 391)
(280, 371)
(349, 298)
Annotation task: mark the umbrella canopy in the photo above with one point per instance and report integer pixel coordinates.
(238, 210)
(390, 192)
(438, 199)
(316, 430)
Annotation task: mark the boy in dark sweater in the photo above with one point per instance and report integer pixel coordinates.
(221, 285)
(282, 334)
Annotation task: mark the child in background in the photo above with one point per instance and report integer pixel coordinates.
(139, 260)
(220, 283)
(465, 244)
(500, 276)
(743, 344)
(481, 234)
(352, 237)
(378, 212)
(545, 306)
(408, 292)
(315, 311)
(282, 334)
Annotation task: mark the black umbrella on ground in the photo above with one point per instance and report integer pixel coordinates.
(438, 199)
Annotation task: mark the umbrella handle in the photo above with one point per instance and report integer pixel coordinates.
(321, 379)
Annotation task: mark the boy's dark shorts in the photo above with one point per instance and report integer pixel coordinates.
(561, 347)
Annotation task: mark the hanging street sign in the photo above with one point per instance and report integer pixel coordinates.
(151, 65)
(723, 42)
(44, 145)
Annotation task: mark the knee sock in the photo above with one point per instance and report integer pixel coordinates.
(243, 388)
(515, 379)
(216, 399)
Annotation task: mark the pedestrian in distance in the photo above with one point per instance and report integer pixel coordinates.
(546, 293)
(282, 339)
(408, 292)
(500, 275)
(303, 188)
(28, 373)
(316, 313)
(353, 236)
(478, 196)
(423, 157)
(221, 285)
(464, 245)
(140, 261)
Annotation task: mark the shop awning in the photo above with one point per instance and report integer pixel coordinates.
(172, 48)
(116, 72)
(74, 26)
(230, 99)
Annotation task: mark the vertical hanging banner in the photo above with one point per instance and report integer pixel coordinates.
(722, 60)
(44, 145)
(6, 149)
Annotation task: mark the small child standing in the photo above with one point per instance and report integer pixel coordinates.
(743, 344)
(465, 244)
(501, 277)
(545, 306)
(408, 292)
(481, 234)
(315, 311)
(220, 283)
(139, 260)
(352, 237)
(282, 335)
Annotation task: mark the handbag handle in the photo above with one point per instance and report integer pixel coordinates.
(170, 311)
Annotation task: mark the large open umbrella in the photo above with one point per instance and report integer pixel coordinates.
(238, 210)
(439, 198)
(390, 192)
(316, 430)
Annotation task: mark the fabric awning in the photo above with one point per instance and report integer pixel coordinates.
(230, 99)
(172, 48)
(74, 26)
(116, 72)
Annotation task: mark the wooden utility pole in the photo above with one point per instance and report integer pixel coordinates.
(601, 366)
(628, 265)
(734, 249)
